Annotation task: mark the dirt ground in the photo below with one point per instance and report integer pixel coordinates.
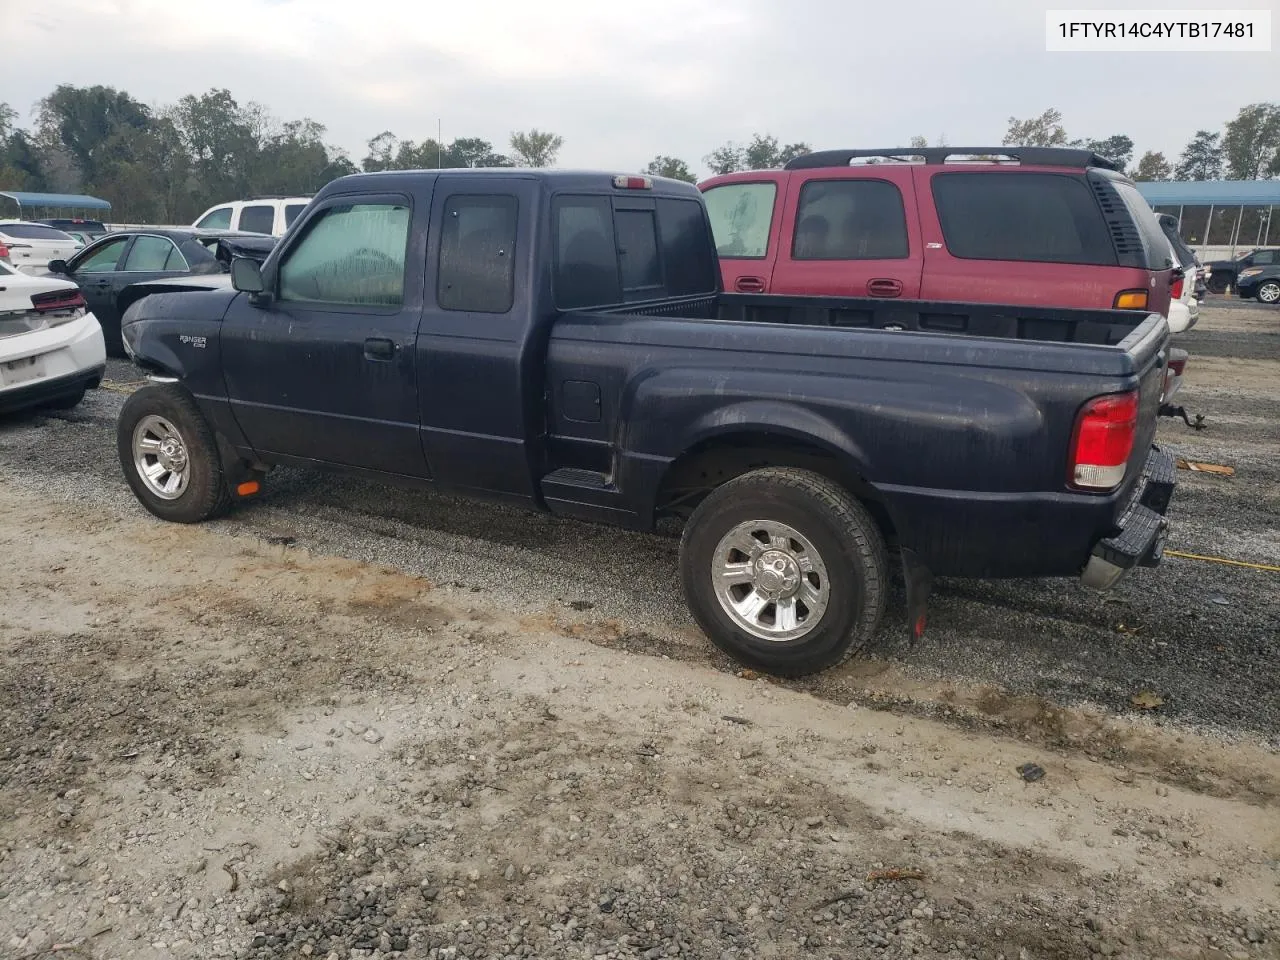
(221, 749)
(216, 742)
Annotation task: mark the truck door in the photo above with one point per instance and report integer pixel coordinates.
(850, 233)
(746, 214)
(480, 350)
(325, 369)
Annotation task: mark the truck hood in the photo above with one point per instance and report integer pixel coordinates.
(135, 293)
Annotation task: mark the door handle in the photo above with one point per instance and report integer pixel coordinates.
(376, 348)
(749, 285)
(884, 287)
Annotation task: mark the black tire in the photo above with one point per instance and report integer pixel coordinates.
(67, 402)
(846, 539)
(1268, 292)
(206, 493)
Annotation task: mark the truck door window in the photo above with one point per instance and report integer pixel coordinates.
(352, 254)
(638, 251)
(477, 254)
(741, 215)
(586, 268)
(850, 220)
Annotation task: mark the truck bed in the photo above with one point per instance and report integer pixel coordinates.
(1048, 324)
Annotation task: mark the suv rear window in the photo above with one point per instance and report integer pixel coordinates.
(33, 231)
(1041, 217)
(741, 215)
(850, 220)
(606, 256)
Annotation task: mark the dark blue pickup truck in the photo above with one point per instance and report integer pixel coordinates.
(560, 340)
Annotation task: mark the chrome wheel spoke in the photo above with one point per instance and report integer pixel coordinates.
(149, 444)
(811, 595)
(736, 573)
(787, 617)
(750, 606)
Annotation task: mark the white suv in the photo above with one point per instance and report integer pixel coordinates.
(269, 215)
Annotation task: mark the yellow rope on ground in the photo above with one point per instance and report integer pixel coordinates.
(127, 386)
(1234, 563)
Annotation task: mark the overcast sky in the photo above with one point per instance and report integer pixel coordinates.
(623, 81)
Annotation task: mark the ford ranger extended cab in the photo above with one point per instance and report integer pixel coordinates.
(560, 341)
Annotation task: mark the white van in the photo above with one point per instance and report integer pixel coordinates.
(269, 215)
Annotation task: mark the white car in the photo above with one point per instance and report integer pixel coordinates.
(270, 215)
(1184, 308)
(51, 348)
(30, 246)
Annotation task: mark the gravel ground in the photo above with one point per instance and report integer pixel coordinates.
(1202, 635)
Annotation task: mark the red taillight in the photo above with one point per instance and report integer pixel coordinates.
(1177, 366)
(57, 300)
(623, 182)
(1176, 290)
(4, 252)
(1102, 441)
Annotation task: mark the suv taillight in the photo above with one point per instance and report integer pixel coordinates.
(4, 252)
(1102, 441)
(1131, 300)
(1176, 290)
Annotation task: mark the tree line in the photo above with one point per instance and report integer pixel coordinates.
(1246, 148)
(168, 164)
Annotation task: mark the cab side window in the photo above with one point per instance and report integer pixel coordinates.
(477, 253)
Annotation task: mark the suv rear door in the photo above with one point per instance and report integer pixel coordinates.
(850, 232)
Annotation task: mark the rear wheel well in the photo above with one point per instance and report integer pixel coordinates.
(712, 463)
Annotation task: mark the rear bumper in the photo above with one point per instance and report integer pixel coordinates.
(1142, 528)
(46, 391)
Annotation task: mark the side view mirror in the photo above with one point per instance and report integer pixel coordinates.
(57, 266)
(246, 276)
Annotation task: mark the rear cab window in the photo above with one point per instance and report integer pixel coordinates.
(611, 249)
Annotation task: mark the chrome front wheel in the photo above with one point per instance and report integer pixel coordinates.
(160, 457)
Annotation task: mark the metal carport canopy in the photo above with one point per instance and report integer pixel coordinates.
(57, 201)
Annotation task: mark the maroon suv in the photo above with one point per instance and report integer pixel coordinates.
(1025, 225)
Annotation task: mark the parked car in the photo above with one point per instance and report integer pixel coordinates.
(1223, 273)
(30, 246)
(51, 349)
(1184, 308)
(559, 341)
(75, 225)
(1260, 283)
(1058, 227)
(270, 215)
(105, 268)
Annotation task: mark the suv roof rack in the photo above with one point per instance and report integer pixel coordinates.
(1047, 156)
(282, 196)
